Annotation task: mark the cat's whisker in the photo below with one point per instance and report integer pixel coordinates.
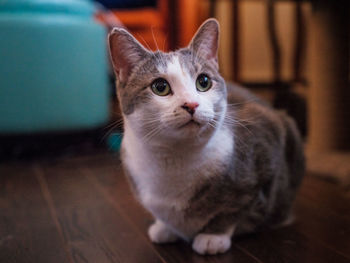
(232, 117)
(151, 134)
(246, 121)
(145, 137)
(159, 58)
(243, 102)
(233, 111)
(232, 121)
(164, 41)
(112, 126)
(144, 41)
(246, 128)
(236, 122)
(108, 132)
(212, 125)
(150, 122)
(150, 118)
(117, 122)
(154, 39)
(149, 48)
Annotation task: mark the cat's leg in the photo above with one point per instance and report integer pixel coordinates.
(215, 237)
(213, 243)
(159, 233)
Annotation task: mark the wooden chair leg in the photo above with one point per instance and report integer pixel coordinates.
(275, 47)
(235, 40)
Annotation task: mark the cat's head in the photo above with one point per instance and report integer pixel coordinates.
(170, 96)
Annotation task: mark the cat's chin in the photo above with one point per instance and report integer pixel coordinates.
(192, 124)
(193, 130)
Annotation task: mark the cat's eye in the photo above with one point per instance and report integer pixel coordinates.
(203, 83)
(161, 87)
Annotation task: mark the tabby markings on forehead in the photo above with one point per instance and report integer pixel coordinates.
(189, 61)
(173, 67)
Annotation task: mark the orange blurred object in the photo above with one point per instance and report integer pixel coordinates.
(168, 26)
(150, 26)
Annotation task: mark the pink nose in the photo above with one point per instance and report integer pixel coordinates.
(190, 107)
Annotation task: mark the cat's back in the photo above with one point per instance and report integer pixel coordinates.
(265, 135)
(239, 96)
(254, 115)
(268, 151)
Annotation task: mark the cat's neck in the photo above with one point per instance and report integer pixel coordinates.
(182, 149)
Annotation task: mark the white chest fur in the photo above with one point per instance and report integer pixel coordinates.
(166, 179)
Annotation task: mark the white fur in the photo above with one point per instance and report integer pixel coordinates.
(213, 243)
(159, 233)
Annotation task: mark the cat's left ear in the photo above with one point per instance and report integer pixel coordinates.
(206, 41)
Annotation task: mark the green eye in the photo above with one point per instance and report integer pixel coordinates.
(161, 87)
(203, 83)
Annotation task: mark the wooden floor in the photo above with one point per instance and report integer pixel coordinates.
(81, 210)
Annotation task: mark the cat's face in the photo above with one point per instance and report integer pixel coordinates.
(170, 96)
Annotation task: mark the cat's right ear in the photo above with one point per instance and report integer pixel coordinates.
(206, 41)
(126, 52)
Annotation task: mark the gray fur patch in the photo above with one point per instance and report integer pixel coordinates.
(134, 93)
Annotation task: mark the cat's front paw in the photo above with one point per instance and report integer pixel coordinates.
(211, 244)
(160, 233)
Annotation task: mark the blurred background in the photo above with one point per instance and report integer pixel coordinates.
(57, 94)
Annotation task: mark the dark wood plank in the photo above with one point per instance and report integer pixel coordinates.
(330, 197)
(313, 238)
(112, 183)
(287, 245)
(324, 215)
(93, 230)
(27, 231)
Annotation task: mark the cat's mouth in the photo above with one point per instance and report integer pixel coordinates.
(190, 123)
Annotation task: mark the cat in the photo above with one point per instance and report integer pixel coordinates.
(208, 160)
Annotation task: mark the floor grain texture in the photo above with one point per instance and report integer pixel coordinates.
(82, 210)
